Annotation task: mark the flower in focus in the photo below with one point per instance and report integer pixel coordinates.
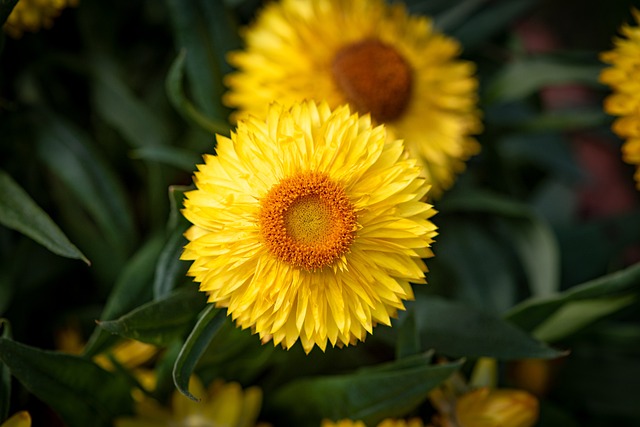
(308, 225)
(376, 58)
(19, 419)
(485, 407)
(221, 405)
(31, 15)
(413, 422)
(623, 79)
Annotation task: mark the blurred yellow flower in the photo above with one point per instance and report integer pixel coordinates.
(485, 407)
(32, 15)
(19, 419)
(413, 422)
(373, 56)
(308, 225)
(623, 77)
(221, 405)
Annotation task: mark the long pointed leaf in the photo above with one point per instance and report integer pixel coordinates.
(162, 321)
(370, 395)
(208, 326)
(81, 392)
(19, 212)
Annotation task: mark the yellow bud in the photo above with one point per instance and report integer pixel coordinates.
(486, 407)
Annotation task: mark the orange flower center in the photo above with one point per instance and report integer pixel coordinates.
(307, 220)
(374, 78)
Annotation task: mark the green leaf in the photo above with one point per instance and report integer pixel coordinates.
(119, 107)
(72, 158)
(81, 392)
(408, 343)
(526, 76)
(370, 394)
(173, 156)
(19, 212)
(207, 31)
(5, 376)
(159, 322)
(170, 269)
(532, 313)
(179, 100)
(531, 237)
(194, 347)
(488, 20)
(132, 289)
(457, 330)
(574, 316)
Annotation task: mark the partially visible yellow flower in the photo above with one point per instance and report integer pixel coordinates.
(308, 225)
(19, 419)
(32, 15)
(221, 405)
(623, 77)
(389, 422)
(373, 56)
(485, 407)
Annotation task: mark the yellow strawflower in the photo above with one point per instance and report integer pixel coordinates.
(308, 224)
(373, 56)
(221, 405)
(32, 15)
(19, 419)
(485, 407)
(623, 77)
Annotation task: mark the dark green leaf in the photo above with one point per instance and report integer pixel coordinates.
(170, 269)
(162, 321)
(179, 100)
(19, 212)
(194, 347)
(370, 395)
(575, 315)
(173, 156)
(81, 392)
(119, 107)
(71, 157)
(532, 313)
(490, 19)
(526, 76)
(408, 343)
(457, 330)
(132, 289)
(203, 29)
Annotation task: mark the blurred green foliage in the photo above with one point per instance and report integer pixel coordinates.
(103, 118)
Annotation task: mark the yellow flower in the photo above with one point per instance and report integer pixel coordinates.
(485, 407)
(221, 405)
(31, 15)
(19, 419)
(414, 422)
(623, 77)
(376, 58)
(308, 225)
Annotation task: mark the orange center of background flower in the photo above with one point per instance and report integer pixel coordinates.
(374, 78)
(307, 220)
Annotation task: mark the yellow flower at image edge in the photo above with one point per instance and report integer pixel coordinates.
(624, 102)
(19, 419)
(308, 225)
(32, 15)
(221, 405)
(374, 57)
